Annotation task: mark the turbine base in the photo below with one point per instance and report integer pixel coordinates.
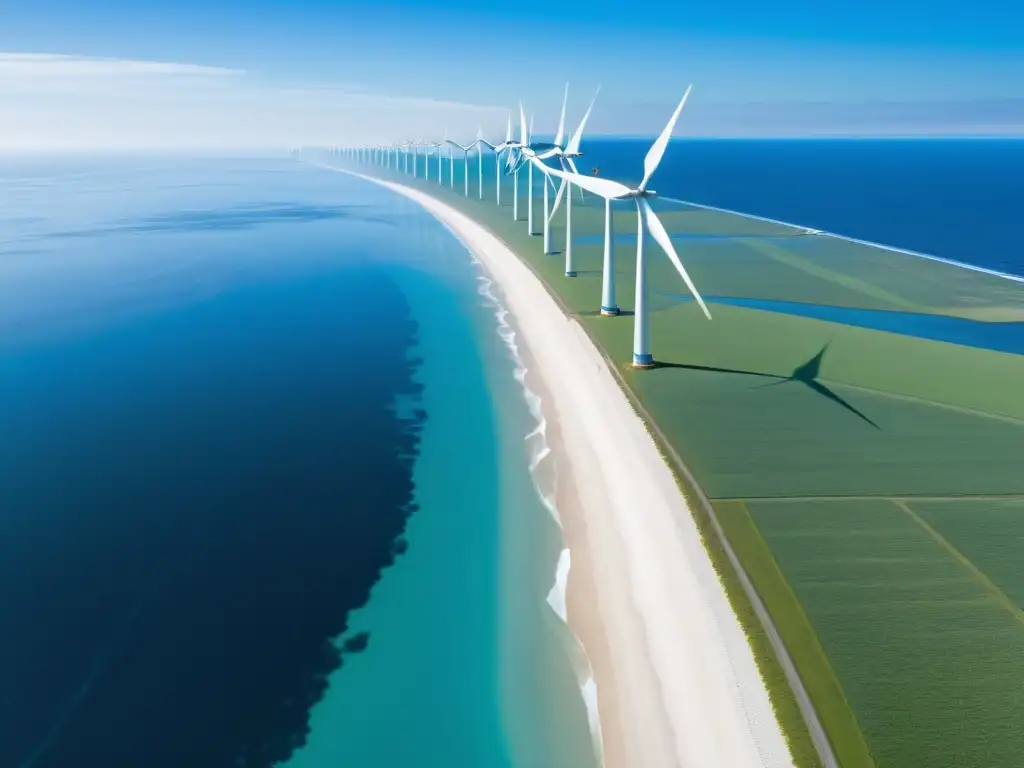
(609, 311)
(571, 274)
(643, 361)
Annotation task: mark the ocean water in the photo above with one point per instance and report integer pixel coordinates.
(268, 489)
(954, 198)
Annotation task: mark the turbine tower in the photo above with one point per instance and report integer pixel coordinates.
(480, 142)
(465, 157)
(529, 180)
(565, 160)
(647, 221)
(529, 155)
(505, 146)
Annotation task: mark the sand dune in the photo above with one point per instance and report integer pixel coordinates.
(677, 682)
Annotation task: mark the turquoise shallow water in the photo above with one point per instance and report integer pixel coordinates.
(467, 664)
(265, 495)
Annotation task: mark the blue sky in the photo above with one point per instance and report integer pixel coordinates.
(309, 70)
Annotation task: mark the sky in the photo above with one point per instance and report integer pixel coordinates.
(128, 74)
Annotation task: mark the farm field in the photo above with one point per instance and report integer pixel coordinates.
(870, 480)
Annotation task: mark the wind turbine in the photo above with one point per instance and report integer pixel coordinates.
(415, 156)
(480, 142)
(437, 147)
(514, 164)
(565, 160)
(647, 220)
(505, 146)
(465, 157)
(530, 156)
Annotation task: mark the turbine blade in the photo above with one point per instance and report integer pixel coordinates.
(574, 143)
(522, 125)
(508, 130)
(657, 150)
(657, 230)
(605, 188)
(529, 136)
(558, 198)
(561, 120)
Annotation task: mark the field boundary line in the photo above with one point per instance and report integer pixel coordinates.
(979, 576)
(817, 649)
(796, 261)
(879, 497)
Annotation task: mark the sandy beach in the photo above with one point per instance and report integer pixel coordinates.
(677, 684)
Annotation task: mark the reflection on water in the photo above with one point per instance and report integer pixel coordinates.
(1001, 337)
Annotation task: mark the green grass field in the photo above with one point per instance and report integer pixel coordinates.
(842, 488)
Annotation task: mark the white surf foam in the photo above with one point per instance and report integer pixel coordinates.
(538, 451)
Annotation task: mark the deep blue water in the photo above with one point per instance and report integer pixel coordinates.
(195, 487)
(955, 198)
(214, 397)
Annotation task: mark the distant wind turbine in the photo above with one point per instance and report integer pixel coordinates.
(500, 149)
(480, 142)
(465, 157)
(565, 160)
(529, 155)
(647, 220)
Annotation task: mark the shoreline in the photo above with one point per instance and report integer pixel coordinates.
(554, 486)
(677, 678)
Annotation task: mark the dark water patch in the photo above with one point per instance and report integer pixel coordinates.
(999, 337)
(190, 507)
(21, 251)
(233, 218)
(357, 643)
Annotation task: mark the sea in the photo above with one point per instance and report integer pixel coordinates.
(956, 198)
(274, 491)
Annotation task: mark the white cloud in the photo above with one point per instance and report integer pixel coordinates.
(53, 65)
(57, 102)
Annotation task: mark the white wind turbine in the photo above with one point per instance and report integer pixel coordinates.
(480, 143)
(415, 156)
(436, 146)
(465, 158)
(514, 165)
(647, 221)
(500, 149)
(565, 159)
(530, 156)
(440, 147)
(405, 156)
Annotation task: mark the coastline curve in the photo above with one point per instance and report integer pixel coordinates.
(659, 644)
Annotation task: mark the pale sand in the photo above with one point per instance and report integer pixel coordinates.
(677, 682)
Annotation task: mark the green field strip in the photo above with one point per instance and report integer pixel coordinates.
(784, 256)
(996, 593)
(988, 532)
(840, 499)
(930, 663)
(797, 633)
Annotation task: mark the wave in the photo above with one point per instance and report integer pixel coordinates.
(538, 450)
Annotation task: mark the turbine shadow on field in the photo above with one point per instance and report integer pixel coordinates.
(806, 374)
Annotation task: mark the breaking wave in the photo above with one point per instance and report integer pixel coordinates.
(538, 450)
